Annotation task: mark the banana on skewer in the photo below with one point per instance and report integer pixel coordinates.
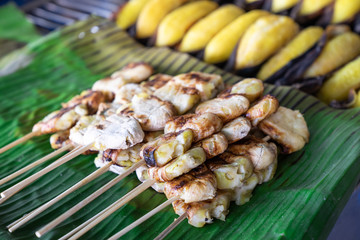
(201, 33)
(173, 27)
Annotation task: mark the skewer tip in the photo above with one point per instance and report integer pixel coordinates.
(38, 234)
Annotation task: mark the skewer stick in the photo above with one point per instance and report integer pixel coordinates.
(171, 227)
(92, 222)
(87, 200)
(18, 187)
(17, 142)
(144, 218)
(45, 206)
(34, 164)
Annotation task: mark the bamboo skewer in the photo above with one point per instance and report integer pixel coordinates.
(45, 206)
(18, 187)
(19, 141)
(92, 222)
(144, 218)
(34, 164)
(171, 227)
(86, 201)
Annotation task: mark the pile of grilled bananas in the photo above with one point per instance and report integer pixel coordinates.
(251, 42)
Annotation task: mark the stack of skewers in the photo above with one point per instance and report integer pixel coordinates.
(201, 151)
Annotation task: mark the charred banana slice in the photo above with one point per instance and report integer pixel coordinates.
(243, 194)
(213, 145)
(261, 153)
(262, 109)
(237, 129)
(203, 125)
(337, 52)
(251, 88)
(268, 173)
(298, 46)
(227, 108)
(337, 87)
(223, 43)
(265, 37)
(201, 33)
(129, 13)
(166, 147)
(178, 166)
(345, 10)
(197, 185)
(200, 213)
(152, 14)
(288, 128)
(173, 27)
(142, 175)
(230, 170)
(151, 112)
(207, 84)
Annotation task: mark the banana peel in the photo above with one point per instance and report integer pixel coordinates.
(297, 48)
(345, 11)
(337, 52)
(341, 82)
(205, 29)
(220, 47)
(174, 26)
(261, 40)
(249, 5)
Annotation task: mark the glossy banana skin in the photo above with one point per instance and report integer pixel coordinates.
(198, 36)
(129, 13)
(294, 58)
(261, 40)
(174, 26)
(337, 87)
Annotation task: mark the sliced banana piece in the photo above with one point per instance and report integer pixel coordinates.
(236, 129)
(213, 145)
(288, 128)
(166, 147)
(197, 185)
(227, 108)
(203, 125)
(262, 109)
(178, 166)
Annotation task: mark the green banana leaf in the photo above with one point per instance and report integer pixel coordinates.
(303, 200)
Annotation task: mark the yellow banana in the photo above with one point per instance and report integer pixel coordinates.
(173, 27)
(262, 39)
(282, 5)
(310, 6)
(357, 102)
(337, 87)
(299, 45)
(129, 13)
(222, 44)
(201, 33)
(345, 10)
(337, 52)
(152, 14)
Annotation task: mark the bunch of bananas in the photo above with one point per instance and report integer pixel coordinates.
(258, 43)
